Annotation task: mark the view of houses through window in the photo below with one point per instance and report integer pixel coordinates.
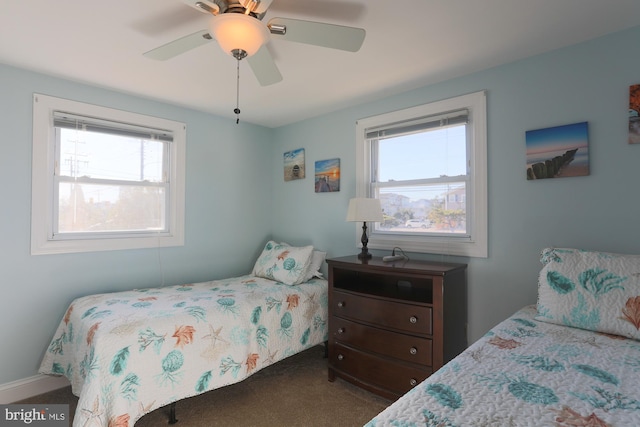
(421, 181)
(443, 213)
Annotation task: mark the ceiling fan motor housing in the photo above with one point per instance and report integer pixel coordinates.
(255, 8)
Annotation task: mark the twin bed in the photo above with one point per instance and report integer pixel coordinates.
(571, 360)
(128, 353)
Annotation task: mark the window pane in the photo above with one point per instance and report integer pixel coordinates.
(428, 154)
(104, 156)
(437, 208)
(100, 208)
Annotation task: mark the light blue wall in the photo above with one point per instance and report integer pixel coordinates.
(236, 199)
(227, 190)
(587, 82)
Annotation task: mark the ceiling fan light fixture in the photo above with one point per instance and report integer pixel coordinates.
(237, 31)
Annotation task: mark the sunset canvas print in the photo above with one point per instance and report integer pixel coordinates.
(327, 175)
(558, 152)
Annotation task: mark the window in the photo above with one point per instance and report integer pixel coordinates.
(427, 165)
(104, 179)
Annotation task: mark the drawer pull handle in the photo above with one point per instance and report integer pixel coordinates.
(413, 382)
(341, 304)
(340, 357)
(413, 319)
(341, 330)
(413, 351)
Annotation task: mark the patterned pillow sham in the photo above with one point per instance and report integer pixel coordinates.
(596, 291)
(283, 263)
(317, 258)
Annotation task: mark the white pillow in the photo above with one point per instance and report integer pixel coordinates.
(283, 263)
(597, 291)
(317, 258)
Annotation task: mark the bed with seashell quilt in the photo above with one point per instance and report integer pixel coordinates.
(128, 353)
(573, 359)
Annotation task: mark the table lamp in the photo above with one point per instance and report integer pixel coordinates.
(364, 209)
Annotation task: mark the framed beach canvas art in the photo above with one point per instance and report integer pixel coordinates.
(327, 176)
(294, 164)
(558, 152)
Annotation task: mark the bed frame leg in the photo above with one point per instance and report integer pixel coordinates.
(172, 413)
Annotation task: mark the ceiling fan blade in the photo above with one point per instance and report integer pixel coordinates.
(157, 23)
(179, 46)
(264, 67)
(204, 6)
(325, 10)
(318, 33)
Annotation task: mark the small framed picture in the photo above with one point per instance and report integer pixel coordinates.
(294, 164)
(327, 176)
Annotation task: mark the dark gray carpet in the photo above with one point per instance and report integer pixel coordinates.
(293, 392)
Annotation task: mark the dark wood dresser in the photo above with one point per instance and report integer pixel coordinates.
(391, 325)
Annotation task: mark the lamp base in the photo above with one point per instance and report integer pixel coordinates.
(364, 254)
(364, 240)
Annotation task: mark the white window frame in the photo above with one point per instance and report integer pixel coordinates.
(43, 187)
(476, 244)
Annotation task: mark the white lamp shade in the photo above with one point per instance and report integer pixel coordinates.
(238, 31)
(364, 209)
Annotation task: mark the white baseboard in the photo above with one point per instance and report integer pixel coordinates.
(29, 387)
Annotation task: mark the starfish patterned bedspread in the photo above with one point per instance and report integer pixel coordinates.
(529, 373)
(128, 353)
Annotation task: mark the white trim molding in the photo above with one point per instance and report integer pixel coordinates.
(29, 387)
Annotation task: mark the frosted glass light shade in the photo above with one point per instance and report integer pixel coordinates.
(364, 209)
(238, 31)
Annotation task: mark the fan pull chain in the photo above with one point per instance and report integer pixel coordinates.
(237, 109)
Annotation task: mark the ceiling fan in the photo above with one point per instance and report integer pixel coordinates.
(238, 28)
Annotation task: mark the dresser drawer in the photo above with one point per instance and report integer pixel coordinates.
(400, 346)
(391, 314)
(397, 377)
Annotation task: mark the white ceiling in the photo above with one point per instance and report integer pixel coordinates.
(409, 43)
